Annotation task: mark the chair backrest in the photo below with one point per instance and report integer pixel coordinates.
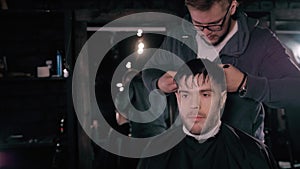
(293, 128)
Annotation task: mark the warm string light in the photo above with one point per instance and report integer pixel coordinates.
(141, 45)
(128, 65)
(139, 33)
(140, 51)
(120, 85)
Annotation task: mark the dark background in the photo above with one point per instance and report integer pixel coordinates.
(32, 134)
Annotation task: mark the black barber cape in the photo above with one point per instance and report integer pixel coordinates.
(229, 149)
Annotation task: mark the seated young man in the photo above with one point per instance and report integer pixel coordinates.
(208, 144)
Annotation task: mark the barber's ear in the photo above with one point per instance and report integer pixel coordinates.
(234, 5)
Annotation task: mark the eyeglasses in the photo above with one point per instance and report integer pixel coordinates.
(214, 27)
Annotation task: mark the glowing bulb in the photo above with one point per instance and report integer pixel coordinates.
(140, 51)
(119, 84)
(139, 33)
(121, 89)
(141, 45)
(128, 65)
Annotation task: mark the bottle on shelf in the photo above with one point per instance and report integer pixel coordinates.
(58, 63)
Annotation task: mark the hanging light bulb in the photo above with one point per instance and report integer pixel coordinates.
(140, 51)
(119, 84)
(139, 33)
(141, 45)
(128, 65)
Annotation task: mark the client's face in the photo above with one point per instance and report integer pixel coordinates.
(194, 97)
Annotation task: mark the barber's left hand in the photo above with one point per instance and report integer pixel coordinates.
(233, 77)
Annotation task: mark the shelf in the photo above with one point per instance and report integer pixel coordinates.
(32, 106)
(28, 143)
(25, 145)
(12, 79)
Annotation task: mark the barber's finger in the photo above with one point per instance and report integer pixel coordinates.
(172, 73)
(173, 87)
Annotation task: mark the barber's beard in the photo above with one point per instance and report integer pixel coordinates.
(224, 35)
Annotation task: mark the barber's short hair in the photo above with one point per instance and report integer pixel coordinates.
(205, 67)
(204, 4)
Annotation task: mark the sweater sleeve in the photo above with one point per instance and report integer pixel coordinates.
(164, 59)
(278, 83)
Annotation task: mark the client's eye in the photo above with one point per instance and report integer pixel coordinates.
(184, 96)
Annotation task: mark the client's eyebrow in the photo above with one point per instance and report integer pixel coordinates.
(182, 91)
(206, 90)
(202, 90)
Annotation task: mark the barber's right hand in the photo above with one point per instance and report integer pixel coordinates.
(166, 83)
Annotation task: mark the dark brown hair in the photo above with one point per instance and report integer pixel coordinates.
(202, 66)
(205, 4)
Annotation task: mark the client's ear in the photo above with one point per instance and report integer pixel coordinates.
(223, 99)
(177, 97)
(178, 100)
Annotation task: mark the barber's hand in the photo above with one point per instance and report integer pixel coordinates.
(121, 119)
(234, 77)
(166, 83)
